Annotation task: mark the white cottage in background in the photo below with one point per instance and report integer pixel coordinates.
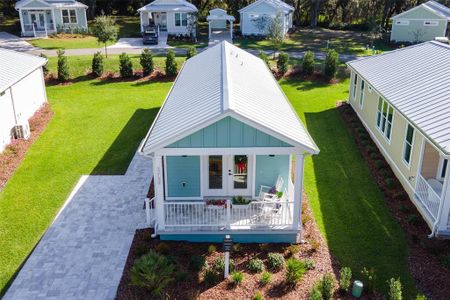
(41, 17)
(218, 20)
(267, 10)
(22, 92)
(226, 130)
(172, 16)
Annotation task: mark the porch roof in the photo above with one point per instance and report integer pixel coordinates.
(277, 4)
(169, 5)
(53, 4)
(219, 14)
(226, 81)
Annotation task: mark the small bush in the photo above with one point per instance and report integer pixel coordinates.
(374, 156)
(258, 296)
(44, 67)
(369, 277)
(237, 248)
(293, 249)
(264, 57)
(171, 64)
(326, 286)
(197, 263)
(294, 271)
(126, 66)
(421, 297)
(390, 183)
(255, 265)
(146, 61)
(266, 278)
(395, 289)
(315, 245)
(63, 66)
(140, 250)
(330, 64)
(219, 265)
(97, 64)
(283, 62)
(379, 164)
(212, 249)
(413, 219)
(310, 263)
(275, 261)
(237, 278)
(264, 247)
(445, 260)
(315, 293)
(308, 63)
(191, 52)
(153, 272)
(181, 276)
(346, 278)
(162, 248)
(210, 277)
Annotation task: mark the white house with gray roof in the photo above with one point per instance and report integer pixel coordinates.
(256, 17)
(403, 99)
(22, 93)
(422, 23)
(227, 130)
(38, 18)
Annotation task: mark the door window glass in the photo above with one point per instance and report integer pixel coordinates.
(240, 172)
(215, 172)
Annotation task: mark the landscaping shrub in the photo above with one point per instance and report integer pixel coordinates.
(374, 156)
(181, 276)
(237, 248)
(275, 261)
(293, 249)
(44, 67)
(191, 52)
(379, 164)
(162, 248)
(237, 278)
(264, 57)
(326, 286)
(63, 66)
(266, 278)
(315, 245)
(197, 263)
(255, 265)
(310, 263)
(308, 63)
(140, 250)
(210, 277)
(413, 219)
(212, 249)
(315, 293)
(126, 66)
(369, 277)
(421, 297)
(346, 278)
(283, 62)
(153, 272)
(395, 289)
(146, 61)
(330, 64)
(171, 64)
(294, 271)
(258, 296)
(97, 64)
(219, 265)
(264, 247)
(390, 183)
(445, 260)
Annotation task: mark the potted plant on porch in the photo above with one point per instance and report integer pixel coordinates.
(240, 202)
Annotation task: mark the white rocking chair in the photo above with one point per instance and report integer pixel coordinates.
(269, 193)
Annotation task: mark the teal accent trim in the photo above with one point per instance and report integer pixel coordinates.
(268, 168)
(183, 176)
(237, 238)
(228, 133)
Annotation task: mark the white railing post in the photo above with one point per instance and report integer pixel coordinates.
(228, 224)
(147, 211)
(34, 29)
(159, 191)
(298, 190)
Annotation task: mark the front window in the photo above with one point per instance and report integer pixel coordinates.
(361, 96)
(240, 171)
(408, 145)
(385, 115)
(215, 172)
(355, 85)
(181, 19)
(69, 16)
(444, 168)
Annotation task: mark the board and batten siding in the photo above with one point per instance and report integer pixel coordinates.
(228, 133)
(416, 31)
(268, 168)
(7, 120)
(247, 25)
(183, 176)
(392, 150)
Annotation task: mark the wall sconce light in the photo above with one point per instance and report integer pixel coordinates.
(272, 155)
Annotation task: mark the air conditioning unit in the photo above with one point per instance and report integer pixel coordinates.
(22, 131)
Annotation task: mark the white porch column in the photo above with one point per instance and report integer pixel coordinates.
(21, 21)
(298, 189)
(159, 191)
(445, 213)
(231, 30)
(140, 17)
(54, 21)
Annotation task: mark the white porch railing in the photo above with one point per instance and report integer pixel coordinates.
(428, 197)
(150, 214)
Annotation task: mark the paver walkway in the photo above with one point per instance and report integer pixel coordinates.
(13, 42)
(136, 43)
(83, 253)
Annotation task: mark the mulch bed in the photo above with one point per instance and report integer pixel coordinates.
(194, 287)
(13, 154)
(425, 255)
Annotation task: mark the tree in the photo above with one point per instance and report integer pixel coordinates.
(63, 66)
(147, 62)
(97, 64)
(308, 63)
(126, 66)
(261, 23)
(283, 62)
(171, 64)
(264, 57)
(105, 30)
(275, 33)
(330, 64)
(44, 67)
(191, 52)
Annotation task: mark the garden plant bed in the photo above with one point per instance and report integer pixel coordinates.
(13, 154)
(192, 286)
(429, 259)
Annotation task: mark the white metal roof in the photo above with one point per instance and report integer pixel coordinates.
(432, 6)
(169, 5)
(219, 14)
(416, 80)
(54, 3)
(277, 4)
(226, 81)
(16, 65)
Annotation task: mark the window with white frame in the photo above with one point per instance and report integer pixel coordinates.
(402, 22)
(430, 23)
(181, 19)
(361, 93)
(408, 144)
(355, 85)
(443, 166)
(385, 115)
(69, 16)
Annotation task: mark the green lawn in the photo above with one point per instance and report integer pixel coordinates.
(57, 42)
(347, 205)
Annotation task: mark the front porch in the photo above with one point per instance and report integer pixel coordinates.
(37, 22)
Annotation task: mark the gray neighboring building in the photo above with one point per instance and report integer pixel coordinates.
(421, 23)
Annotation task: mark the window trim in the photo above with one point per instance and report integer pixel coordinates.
(382, 127)
(402, 22)
(68, 10)
(441, 168)
(362, 91)
(405, 142)
(431, 23)
(355, 86)
(180, 14)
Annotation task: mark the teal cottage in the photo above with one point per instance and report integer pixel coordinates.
(228, 152)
